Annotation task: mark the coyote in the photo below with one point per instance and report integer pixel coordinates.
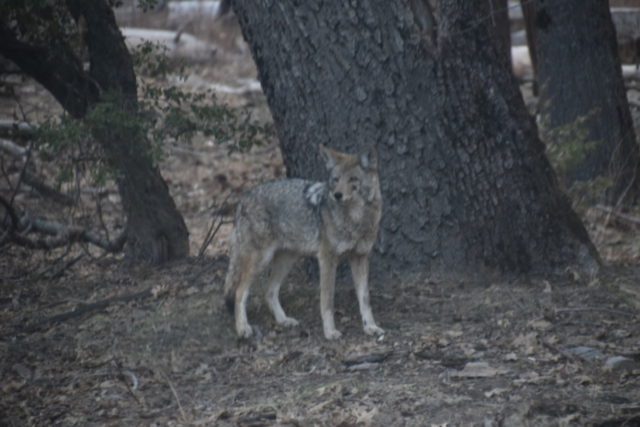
(280, 221)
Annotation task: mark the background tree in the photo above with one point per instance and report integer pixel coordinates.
(467, 187)
(583, 102)
(42, 39)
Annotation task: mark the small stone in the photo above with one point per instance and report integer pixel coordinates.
(621, 363)
(586, 353)
(478, 369)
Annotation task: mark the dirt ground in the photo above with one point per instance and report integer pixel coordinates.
(87, 341)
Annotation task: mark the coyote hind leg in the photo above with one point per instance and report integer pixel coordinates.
(245, 268)
(280, 267)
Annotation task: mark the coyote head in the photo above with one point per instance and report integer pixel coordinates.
(352, 176)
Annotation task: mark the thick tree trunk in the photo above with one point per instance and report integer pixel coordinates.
(156, 232)
(466, 185)
(579, 76)
(501, 28)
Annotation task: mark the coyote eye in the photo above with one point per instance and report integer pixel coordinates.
(353, 179)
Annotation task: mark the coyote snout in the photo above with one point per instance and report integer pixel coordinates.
(280, 221)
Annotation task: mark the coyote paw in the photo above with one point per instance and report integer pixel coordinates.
(373, 330)
(333, 334)
(245, 331)
(287, 321)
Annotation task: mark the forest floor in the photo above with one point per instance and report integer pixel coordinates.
(85, 340)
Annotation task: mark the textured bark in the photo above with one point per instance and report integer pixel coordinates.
(501, 28)
(466, 185)
(578, 70)
(156, 232)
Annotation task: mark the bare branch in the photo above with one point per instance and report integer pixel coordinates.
(65, 234)
(47, 191)
(11, 212)
(629, 218)
(61, 234)
(12, 148)
(215, 225)
(12, 127)
(82, 309)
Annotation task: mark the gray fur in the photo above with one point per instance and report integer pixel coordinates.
(282, 220)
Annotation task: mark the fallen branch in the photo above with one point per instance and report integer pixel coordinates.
(590, 309)
(64, 267)
(61, 234)
(82, 309)
(12, 127)
(626, 217)
(12, 148)
(564, 353)
(45, 190)
(174, 392)
(215, 225)
(15, 221)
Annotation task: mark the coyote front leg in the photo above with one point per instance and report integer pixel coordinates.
(248, 266)
(328, 264)
(360, 274)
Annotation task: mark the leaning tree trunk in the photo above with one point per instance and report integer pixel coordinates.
(156, 232)
(465, 181)
(580, 80)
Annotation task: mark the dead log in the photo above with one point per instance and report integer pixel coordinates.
(12, 148)
(58, 234)
(178, 45)
(82, 309)
(12, 128)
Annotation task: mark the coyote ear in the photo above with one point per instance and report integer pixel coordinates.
(369, 157)
(328, 155)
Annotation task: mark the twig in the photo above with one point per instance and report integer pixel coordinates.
(562, 352)
(133, 386)
(62, 234)
(58, 272)
(12, 148)
(15, 222)
(175, 394)
(216, 222)
(82, 309)
(47, 191)
(611, 211)
(27, 158)
(605, 310)
(9, 127)
(105, 229)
